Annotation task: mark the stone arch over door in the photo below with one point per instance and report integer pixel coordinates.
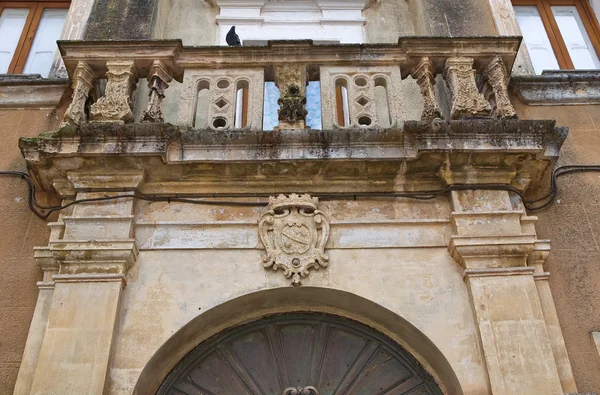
(299, 354)
(394, 333)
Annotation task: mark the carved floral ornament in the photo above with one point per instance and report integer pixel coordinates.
(301, 391)
(294, 233)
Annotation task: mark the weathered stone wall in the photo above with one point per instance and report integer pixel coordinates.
(571, 223)
(121, 20)
(21, 231)
(194, 258)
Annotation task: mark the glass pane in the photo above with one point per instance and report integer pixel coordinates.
(12, 22)
(576, 38)
(313, 105)
(270, 106)
(535, 36)
(44, 47)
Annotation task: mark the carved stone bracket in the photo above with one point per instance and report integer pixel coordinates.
(496, 76)
(301, 391)
(426, 80)
(291, 81)
(115, 106)
(466, 98)
(294, 233)
(158, 80)
(83, 82)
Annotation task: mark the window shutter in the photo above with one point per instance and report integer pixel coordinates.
(44, 47)
(575, 37)
(12, 22)
(535, 36)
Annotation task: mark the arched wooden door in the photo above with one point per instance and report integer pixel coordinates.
(300, 354)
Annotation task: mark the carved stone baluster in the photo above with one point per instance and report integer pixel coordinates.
(426, 80)
(115, 106)
(466, 99)
(291, 81)
(158, 80)
(83, 82)
(496, 76)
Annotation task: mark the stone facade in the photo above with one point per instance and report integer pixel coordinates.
(177, 232)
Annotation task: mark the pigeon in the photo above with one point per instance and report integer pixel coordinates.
(232, 38)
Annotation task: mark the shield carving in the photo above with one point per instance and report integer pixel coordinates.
(294, 233)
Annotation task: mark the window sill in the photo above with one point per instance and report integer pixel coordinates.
(30, 91)
(564, 87)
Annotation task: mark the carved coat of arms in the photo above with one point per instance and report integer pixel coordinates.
(294, 233)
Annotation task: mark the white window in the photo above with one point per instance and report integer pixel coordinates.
(559, 34)
(28, 35)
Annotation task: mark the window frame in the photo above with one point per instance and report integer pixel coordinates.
(587, 15)
(36, 9)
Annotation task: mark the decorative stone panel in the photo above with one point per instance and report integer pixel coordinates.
(362, 106)
(222, 87)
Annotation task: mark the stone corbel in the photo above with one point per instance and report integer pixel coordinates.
(291, 79)
(83, 82)
(158, 80)
(424, 74)
(115, 106)
(496, 76)
(466, 98)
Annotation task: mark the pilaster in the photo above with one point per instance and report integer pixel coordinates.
(537, 259)
(492, 242)
(37, 329)
(93, 247)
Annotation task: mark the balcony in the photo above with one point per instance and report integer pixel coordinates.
(467, 130)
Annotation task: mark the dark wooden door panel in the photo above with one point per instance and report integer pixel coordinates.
(299, 354)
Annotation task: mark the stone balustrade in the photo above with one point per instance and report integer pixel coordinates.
(360, 85)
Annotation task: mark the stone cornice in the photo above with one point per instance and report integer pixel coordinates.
(82, 258)
(407, 53)
(163, 152)
(31, 92)
(469, 250)
(558, 87)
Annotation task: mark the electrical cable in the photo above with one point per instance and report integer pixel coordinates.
(43, 211)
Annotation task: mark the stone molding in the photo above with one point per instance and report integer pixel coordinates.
(469, 250)
(80, 259)
(45, 260)
(551, 88)
(385, 150)
(25, 91)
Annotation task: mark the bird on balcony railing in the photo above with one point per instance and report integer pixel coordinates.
(232, 38)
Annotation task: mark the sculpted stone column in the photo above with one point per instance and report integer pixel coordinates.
(536, 260)
(492, 245)
(497, 76)
(115, 106)
(424, 74)
(466, 99)
(158, 80)
(83, 82)
(95, 249)
(291, 81)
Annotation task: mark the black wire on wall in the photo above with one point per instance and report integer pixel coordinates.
(44, 212)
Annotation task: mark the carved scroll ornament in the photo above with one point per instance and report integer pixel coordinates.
(294, 233)
(301, 391)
